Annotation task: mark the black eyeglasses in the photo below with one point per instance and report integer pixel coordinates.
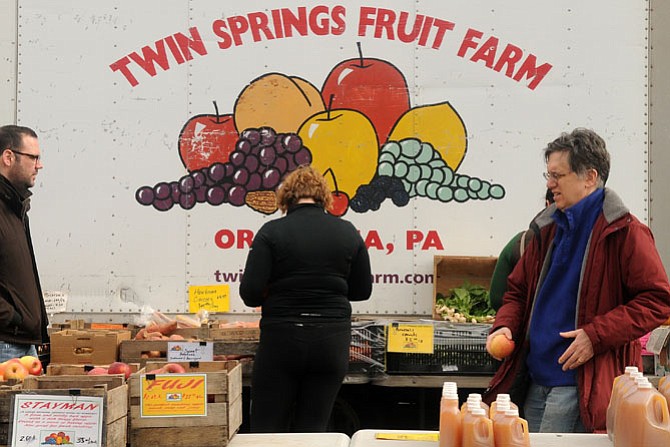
(33, 157)
(553, 176)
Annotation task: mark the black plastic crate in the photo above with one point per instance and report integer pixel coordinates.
(367, 349)
(459, 348)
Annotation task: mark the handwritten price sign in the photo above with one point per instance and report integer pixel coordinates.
(210, 298)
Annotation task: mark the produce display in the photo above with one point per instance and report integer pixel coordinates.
(18, 368)
(466, 304)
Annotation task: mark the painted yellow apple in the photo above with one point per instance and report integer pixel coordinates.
(437, 124)
(344, 141)
(277, 101)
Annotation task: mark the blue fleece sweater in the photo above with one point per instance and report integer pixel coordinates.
(556, 304)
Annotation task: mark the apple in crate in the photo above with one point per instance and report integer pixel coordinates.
(32, 364)
(97, 371)
(14, 369)
(174, 368)
(119, 368)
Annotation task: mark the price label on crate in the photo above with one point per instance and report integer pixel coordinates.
(410, 338)
(173, 395)
(57, 420)
(190, 351)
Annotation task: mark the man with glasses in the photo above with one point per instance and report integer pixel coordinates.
(23, 317)
(589, 285)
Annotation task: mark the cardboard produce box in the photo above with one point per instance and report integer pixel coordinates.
(658, 344)
(223, 413)
(95, 347)
(453, 271)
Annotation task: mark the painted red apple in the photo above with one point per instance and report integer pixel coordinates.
(32, 364)
(340, 198)
(371, 86)
(174, 368)
(119, 368)
(206, 139)
(14, 369)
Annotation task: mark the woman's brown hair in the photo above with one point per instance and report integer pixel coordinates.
(303, 183)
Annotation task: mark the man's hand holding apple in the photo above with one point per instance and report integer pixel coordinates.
(500, 343)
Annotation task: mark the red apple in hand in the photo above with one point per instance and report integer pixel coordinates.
(373, 87)
(501, 346)
(32, 364)
(206, 139)
(119, 368)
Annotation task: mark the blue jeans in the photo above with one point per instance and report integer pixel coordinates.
(553, 409)
(11, 350)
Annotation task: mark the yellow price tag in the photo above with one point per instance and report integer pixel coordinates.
(410, 338)
(434, 437)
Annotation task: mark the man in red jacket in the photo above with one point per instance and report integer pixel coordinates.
(589, 285)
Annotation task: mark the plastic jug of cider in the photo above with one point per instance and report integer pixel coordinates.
(502, 401)
(509, 430)
(664, 388)
(620, 382)
(475, 397)
(450, 417)
(642, 418)
(477, 429)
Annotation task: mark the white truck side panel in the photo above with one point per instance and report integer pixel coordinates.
(102, 138)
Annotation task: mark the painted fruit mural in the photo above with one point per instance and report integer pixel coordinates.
(359, 130)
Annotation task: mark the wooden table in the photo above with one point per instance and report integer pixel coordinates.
(432, 381)
(366, 438)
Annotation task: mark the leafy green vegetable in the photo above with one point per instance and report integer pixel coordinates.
(470, 300)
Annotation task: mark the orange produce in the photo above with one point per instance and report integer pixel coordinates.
(501, 346)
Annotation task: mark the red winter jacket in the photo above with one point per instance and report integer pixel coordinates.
(624, 293)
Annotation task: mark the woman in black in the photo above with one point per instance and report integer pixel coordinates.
(303, 269)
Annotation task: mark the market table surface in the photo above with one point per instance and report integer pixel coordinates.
(290, 440)
(367, 438)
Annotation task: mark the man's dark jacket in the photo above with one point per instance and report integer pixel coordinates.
(23, 317)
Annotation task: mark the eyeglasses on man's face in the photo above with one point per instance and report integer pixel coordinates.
(33, 157)
(554, 177)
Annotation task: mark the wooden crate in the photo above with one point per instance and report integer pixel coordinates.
(224, 410)
(235, 333)
(454, 271)
(136, 351)
(112, 387)
(6, 394)
(66, 369)
(213, 332)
